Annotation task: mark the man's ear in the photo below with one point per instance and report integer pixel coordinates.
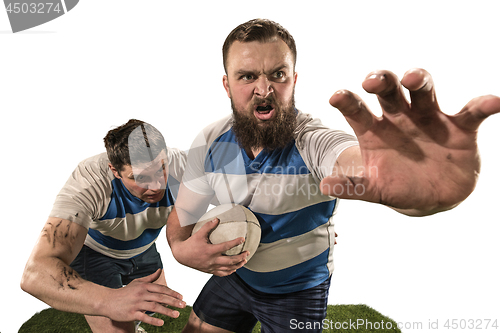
(225, 83)
(115, 172)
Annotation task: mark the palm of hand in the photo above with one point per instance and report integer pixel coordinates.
(414, 156)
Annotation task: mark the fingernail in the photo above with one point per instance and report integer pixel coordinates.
(373, 76)
(414, 71)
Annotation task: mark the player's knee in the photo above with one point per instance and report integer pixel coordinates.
(196, 325)
(193, 324)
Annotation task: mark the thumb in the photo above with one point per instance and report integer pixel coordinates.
(477, 110)
(151, 278)
(208, 228)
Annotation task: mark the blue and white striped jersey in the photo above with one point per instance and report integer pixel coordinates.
(119, 224)
(281, 188)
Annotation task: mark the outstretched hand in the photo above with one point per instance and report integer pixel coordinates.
(132, 301)
(415, 158)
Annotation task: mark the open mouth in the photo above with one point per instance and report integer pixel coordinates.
(264, 112)
(264, 109)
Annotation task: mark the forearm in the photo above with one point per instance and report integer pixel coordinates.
(49, 277)
(57, 284)
(177, 231)
(422, 213)
(347, 165)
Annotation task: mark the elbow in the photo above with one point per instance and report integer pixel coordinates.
(28, 281)
(26, 284)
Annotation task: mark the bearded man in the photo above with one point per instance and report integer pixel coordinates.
(290, 171)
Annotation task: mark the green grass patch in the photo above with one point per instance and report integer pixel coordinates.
(339, 318)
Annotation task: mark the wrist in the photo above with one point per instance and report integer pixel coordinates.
(177, 249)
(421, 212)
(100, 304)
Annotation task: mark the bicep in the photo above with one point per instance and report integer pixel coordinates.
(188, 209)
(61, 239)
(190, 206)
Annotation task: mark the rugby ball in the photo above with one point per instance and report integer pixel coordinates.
(235, 221)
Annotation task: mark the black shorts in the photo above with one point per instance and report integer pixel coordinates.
(115, 273)
(229, 303)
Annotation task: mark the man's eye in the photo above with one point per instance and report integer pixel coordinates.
(279, 75)
(246, 77)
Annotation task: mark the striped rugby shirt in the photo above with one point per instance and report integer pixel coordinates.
(119, 224)
(281, 188)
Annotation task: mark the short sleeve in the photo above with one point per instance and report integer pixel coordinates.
(194, 177)
(321, 146)
(87, 192)
(177, 160)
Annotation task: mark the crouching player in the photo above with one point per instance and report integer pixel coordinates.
(100, 235)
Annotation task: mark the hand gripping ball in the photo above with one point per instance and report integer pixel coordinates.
(235, 221)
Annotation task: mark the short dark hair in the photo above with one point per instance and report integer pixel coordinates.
(260, 30)
(120, 144)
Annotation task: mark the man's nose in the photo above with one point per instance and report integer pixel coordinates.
(156, 184)
(263, 87)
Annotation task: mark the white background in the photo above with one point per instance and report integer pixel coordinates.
(64, 84)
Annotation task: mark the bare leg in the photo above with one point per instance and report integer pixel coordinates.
(105, 325)
(196, 325)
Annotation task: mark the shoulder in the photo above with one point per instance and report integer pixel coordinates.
(209, 135)
(217, 128)
(93, 172)
(177, 160)
(95, 167)
(86, 193)
(176, 155)
(306, 124)
(98, 160)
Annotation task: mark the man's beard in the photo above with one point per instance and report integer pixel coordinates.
(270, 135)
